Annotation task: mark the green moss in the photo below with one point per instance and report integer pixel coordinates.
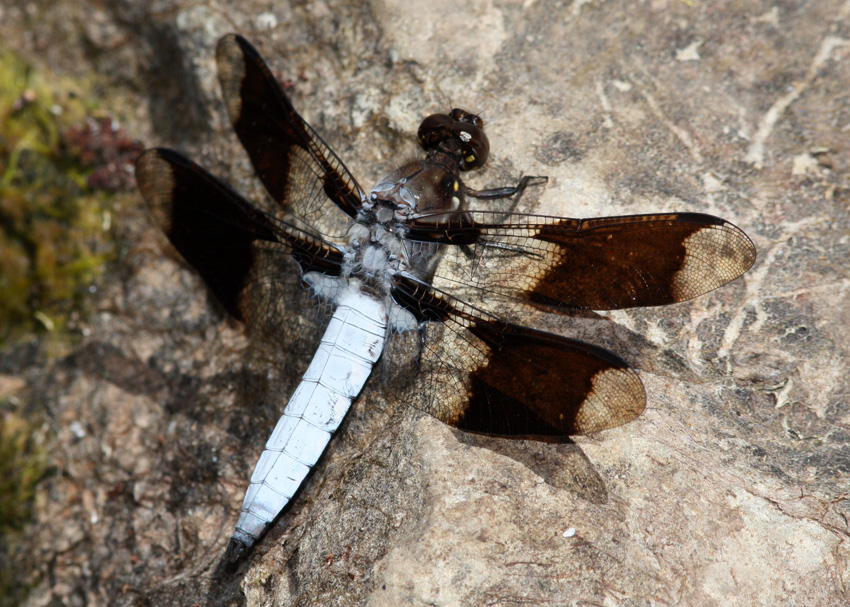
(22, 465)
(53, 225)
(63, 163)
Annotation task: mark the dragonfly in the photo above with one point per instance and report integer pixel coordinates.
(409, 262)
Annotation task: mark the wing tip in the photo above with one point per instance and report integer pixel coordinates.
(715, 256)
(617, 397)
(230, 56)
(155, 179)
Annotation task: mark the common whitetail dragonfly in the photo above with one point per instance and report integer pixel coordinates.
(399, 260)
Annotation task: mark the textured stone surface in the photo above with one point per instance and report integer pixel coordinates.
(731, 489)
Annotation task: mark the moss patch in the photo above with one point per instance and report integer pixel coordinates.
(60, 166)
(22, 465)
(63, 166)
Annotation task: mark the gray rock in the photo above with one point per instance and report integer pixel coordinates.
(732, 487)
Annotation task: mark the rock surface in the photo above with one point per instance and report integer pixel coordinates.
(732, 487)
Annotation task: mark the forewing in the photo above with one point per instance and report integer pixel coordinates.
(595, 264)
(253, 264)
(300, 172)
(483, 375)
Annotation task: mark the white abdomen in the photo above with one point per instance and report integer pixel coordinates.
(350, 347)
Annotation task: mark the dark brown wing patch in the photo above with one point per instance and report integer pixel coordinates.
(483, 375)
(596, 264)
(243, 255)
(567, 386)
(300, 172)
